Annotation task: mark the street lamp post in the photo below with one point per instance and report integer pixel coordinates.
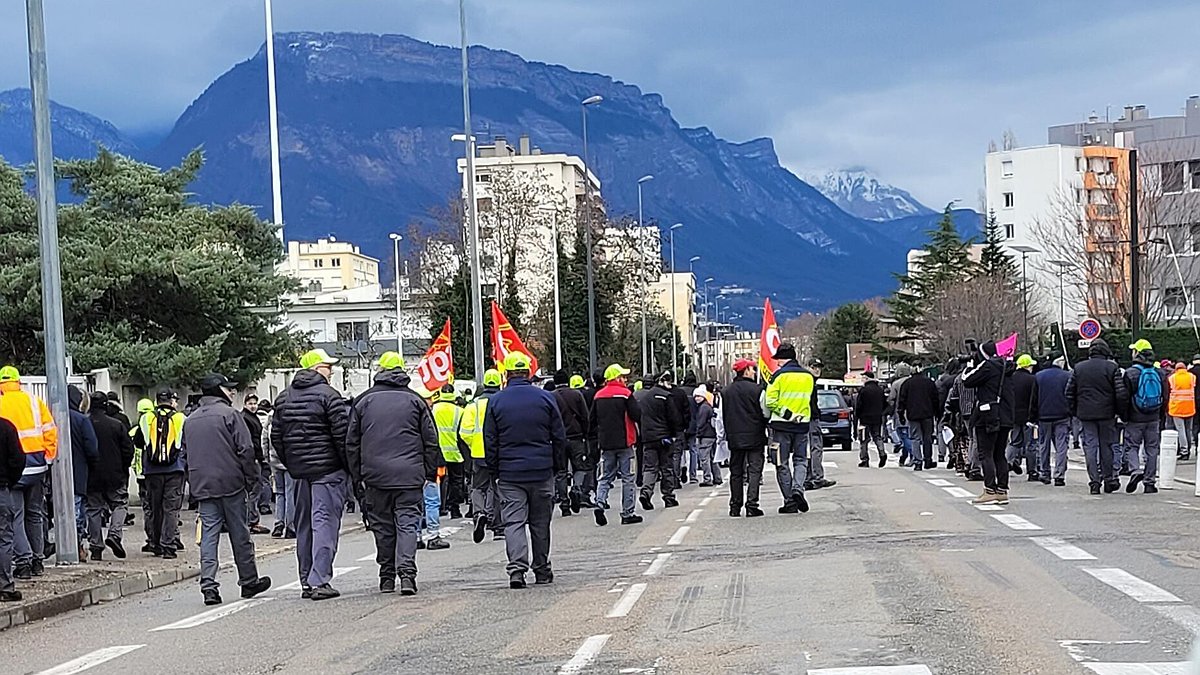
(1025, 251)
(472, 211)
(557, 307)
(273, 124)
(587, 224)
(396, 239)
(645, 282)
(674, 324)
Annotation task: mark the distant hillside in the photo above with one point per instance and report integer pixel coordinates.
(74, 133)
(858, 192)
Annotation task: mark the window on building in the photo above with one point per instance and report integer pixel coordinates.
(314, 286)
(1180, 239)
(1110, 167)
(1194, 174)
(488, 290)
(484, 204)
(1008, 200)
(1195, 231)
(318, 262)
(1174, 298)
(1009, 230)
(1078, 195)
(1079, 164)
(316, 327)
(1172, 177)
(483, 177)
(1006, 168)
(352, 331)
(335, 262)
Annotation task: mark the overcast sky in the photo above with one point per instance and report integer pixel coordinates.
(912, 90)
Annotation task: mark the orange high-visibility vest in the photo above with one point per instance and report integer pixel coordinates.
(1183, 394)
(32, 419)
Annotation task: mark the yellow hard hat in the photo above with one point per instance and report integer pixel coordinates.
(448, 394)
(1025, 361)
(10, 374)
(491, 378)
(516, 361)
(315, 358)
(391, 361)
(576, 382)
(614, 371)
(145, 405)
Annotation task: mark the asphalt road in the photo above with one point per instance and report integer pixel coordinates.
(892, 572)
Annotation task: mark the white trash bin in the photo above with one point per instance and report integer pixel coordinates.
(1168, 448)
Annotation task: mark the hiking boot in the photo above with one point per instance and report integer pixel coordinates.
(260, 586)
(277, 531)
(986, 498)
(408, 586)
(753, 512)
(516, 580)
(437, 544)
(212, 597)
(1132, 486)
(481, 523)
(115, 544)
(631, 520)
(1150, 489)
(800, 502)
(387, 585)
(23, 572)
(670, 502)
(97, 555)
(646, 503)
(601, 519)
(1001, 498)
(10, 596)
(325, 592)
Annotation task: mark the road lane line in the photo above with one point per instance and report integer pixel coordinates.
(1138, 589)
(211, 615)
(627, 600)
(694, 515)
(988, 507)
(1062, 549)
(961, 493)
(91, 660)
(939, 482)
(1015, 522)
(1159, 668)
(337, 572)
(706, 501)
(657, 565)
(915, 669)
(1184, 615)
(677, 538)
(587, 653)
(714, 493)
(828, 465)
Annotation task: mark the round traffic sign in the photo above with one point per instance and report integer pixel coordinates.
(1089, 329)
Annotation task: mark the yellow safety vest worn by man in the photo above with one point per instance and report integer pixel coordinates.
(145, 408)
(1183, 393)
(31, 417)
(470, 428)
(789, 397)
(446, 416)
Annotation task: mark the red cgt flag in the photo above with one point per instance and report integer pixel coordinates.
(768, 342)
(436, 369)
(505, 340)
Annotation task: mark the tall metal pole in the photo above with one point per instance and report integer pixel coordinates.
(399, 332)
(645, 281)
(1135, 281)
(557, 307)
(587, 226)
(674, 325)
(1025, 298)
(472, 215)
(273, 109)
(62, 472)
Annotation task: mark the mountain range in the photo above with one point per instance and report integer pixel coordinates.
(365, 127)
(860, 193)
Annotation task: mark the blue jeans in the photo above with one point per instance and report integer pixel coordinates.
(617, 463)
(285, 498)
(693, 466)
(792, 444)
(81, 517)
(433, 509)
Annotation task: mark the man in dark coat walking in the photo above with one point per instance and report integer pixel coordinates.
(1096, 394)
(746, 435)
(919, 403)
(108, 484)
(868, 409)
(569, 483)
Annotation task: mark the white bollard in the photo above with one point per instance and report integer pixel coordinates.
(1167, 450)
(1197, 477)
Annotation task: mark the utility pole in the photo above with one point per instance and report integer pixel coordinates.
(62, 471)
(472, 215)
(273, 109)
(1135, 282)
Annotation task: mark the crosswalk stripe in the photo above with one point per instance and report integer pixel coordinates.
(1136, 588)
(1160, 668)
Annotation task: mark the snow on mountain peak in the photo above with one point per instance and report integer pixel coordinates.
(857, 191)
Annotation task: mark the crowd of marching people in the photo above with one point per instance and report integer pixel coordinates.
(989, 417)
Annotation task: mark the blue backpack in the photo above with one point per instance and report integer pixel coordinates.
(1149, 395)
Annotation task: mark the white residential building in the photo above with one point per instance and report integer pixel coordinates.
(329, 265)
(684, 289)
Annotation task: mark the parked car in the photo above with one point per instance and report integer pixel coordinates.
(835, 418)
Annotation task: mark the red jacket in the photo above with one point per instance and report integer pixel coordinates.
(614, 417)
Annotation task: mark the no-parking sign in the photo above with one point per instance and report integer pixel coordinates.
(1089, 329)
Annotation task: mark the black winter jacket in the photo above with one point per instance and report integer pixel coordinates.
(115, 448)
(919, 398)
(871, 403)
(1131, 377)
(702, 420)
(992, 381)
(255, 427)
(660, 417)
(84, 454)
(219, 450)
(308, 427)
(392, 443)
(682, 401)
(615, 416)
(523, 434)
(1025, 397)
(1096, 390)
(741, 411)
(12, 458)
(574, 410)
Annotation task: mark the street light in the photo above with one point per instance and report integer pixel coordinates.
(1025, 251)
(273, 123)
(396, 239)
(472, 211)
(674, 329)
(587, 223)
(645, 282)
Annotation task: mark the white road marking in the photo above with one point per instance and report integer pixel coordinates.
(939, 482)
(1062, 549)
(1076, 648)
(1138, 589)
(898, 490)
(927, 513)
(626, 602)
(714, 493)
(211, 615)
(961, 493)
(587, 653)
(706, 501)
(988, 507)
(694, 515)
(442, 532)
(828, 465)
(1184, 615)
(957, 550)
(91, 660)
(1160, 668)
(337, 572)
(916, 669)
(677, 538)
(1015, 522)
(656, 566)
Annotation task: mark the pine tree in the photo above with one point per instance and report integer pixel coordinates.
(994, 261)
(945, 260)
(852, 322)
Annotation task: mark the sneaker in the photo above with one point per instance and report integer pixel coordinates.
(437, 544)
(882, 461)
(566, 510)
(918, 467)
(1015, 467)
(260, 586)
(150, 548)
(408, 586)
(23, 572)
(975, 477)
(826, 483)
(264, 510)
(516, 580)
(931, 465)
(986, 498)
(129, 519)
(178, 544)
(543, 579)
(117, 549)
(387, 585)
(10, 596)
(306, 592)
(1045, 480)
(97, 555)
(706, 483)
(601, 519)
(735, 513)
(1033, 478)
(753, 512)
(480, 528)
(212, 597)
(865, 464)
(259, 529)
(1132, 486)
(1060, 482)
(1001, 498)
(1150, 489)
(576, 501)
(169, 554)
(36, 568)
(289, 534)
(498, 535)
(789, 507)
(1094, 488)
(646, 503)
(1112, 486)
(631, 520)
(800, 502)
(277, 531)
(670, 502)
(420, 544)
(809, 485)
(325, 592)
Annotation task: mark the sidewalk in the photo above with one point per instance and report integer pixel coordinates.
(67, 587)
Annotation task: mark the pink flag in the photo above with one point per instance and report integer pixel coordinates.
(1007, 347)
